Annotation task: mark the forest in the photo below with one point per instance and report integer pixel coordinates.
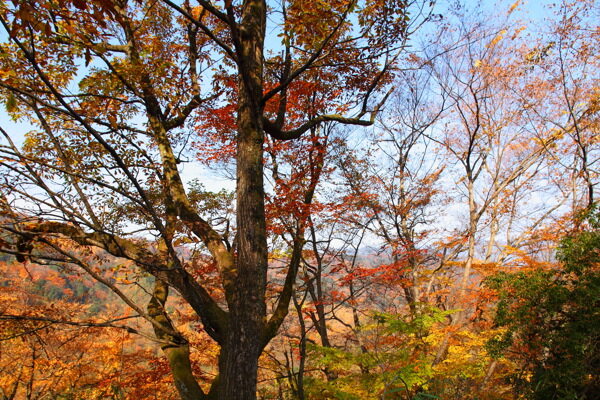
(299, 200)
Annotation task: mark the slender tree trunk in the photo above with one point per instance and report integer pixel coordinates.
(460, 316)
(473, 219)
(300, 374)
(177, 350)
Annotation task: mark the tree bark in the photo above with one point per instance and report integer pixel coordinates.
(246, 298)
(176, 349)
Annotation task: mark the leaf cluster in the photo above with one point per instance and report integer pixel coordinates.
(553, 319)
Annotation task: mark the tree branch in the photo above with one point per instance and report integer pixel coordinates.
(213, 317)
(271, 127)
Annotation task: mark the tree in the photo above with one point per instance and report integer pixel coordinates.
(551, 318)
(117, 89)
(497, 150)
(565, 58)
(395, 181)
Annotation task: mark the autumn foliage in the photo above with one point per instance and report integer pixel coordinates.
(299, 200)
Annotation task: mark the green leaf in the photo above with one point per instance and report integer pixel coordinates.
(11, 104)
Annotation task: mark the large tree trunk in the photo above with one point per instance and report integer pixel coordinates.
(246, 297)
(247, 282)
